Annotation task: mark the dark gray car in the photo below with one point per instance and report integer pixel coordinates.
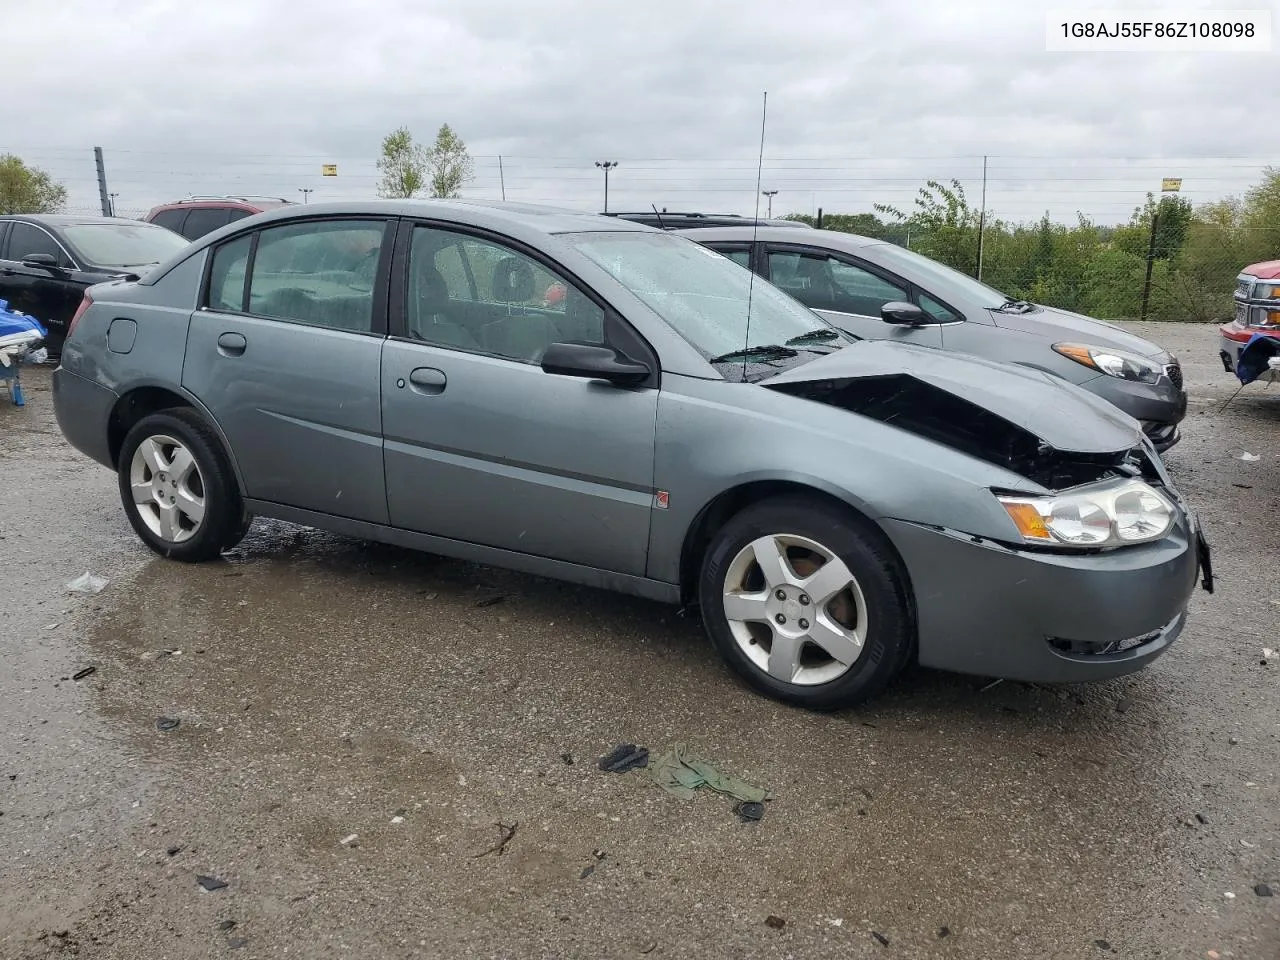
(589, 399)
(850, 279)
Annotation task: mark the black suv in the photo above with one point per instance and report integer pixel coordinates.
(47, 262)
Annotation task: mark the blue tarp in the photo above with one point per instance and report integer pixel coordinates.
(11, 322)
(1254, 356)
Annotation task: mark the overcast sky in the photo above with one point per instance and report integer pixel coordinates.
(866, 100)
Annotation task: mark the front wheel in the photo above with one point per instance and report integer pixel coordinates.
(807, 603)
(177, 487)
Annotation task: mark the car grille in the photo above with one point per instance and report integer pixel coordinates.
(1244, 287)
(1174, 372)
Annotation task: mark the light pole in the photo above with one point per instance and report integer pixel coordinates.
(770, 194)
(606, 166)
(305, 191)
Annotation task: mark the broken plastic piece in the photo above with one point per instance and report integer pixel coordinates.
(1248, 457)
(749, 810)
(777, 923)
(166, 724)
(347, 841)
(624, 757)
(210, 883)
(87, 671)
(87, 583)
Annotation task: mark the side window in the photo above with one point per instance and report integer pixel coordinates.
(170, 219)
(226, 275)
(25, 239)
(202, 220)
(937, 311)
(237, 213)
(516, 309)
(822, 282)
(737, 255)
(320, 273)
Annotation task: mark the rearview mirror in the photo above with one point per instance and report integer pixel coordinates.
(907, 314)
(594, 363)
(45, 260)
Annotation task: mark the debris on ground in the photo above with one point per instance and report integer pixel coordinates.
(87, 583)
(506, 833)
(880, 938)
(567, 758)
(1267, 654)
(173, 851)
(836, 921)
(1123, 704)
(944, 932)
(649, 947)
(86, 672)
(165, 724)
(1263, 890)
(227, 925)
(777, 923)
(1102, 944)
(1248, 457)
(210, 883)
(624, 757)
(349, 840)
(238, 943)
(749, 811)
(1229, 895)
(1201, 818)
(681, 775)
(587, 872)
(490, 601)
(398, 818)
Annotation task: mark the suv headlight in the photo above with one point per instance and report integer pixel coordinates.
(1114, 363)
(1112, 516)
(1264, 317)
(1267, 291)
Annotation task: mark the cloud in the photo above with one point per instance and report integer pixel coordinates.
(866, 100)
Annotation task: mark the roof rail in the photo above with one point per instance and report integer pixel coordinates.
(685, 220)
(245, 198)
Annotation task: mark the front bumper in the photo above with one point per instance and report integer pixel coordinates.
(1159, 407)
(1231, 341)
(990, 610)
(83, 410)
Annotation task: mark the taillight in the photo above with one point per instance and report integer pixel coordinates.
(85, 304)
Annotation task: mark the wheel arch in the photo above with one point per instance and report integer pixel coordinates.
(144, 398)
(716, 512)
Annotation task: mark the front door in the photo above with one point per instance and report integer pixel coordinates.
(286, 353)
(51, 295)
(846, 294)
(481, 445)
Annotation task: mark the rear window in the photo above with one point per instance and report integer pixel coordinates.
(202, 220)
(170, 219)
(123, 244)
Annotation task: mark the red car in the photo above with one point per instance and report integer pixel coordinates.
(1257, 298)
(196, 216)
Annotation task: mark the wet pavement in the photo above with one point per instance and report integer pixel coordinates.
(327, 687)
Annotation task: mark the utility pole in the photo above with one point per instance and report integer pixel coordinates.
(305, 191)
(1151, 258)
(113, 203)
(606, 166)
(103, 196)
(502, 178)
(770, 194)
(982, 216)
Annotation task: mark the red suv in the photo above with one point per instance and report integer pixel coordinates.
(196, 216)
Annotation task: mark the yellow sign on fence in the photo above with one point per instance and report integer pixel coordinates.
(331, 170)
(1170, 184)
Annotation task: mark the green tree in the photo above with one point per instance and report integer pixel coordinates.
(449, 164)
(403, 165)
(25, 189)
(946, 225)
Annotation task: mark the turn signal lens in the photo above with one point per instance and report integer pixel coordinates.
(1027, 519)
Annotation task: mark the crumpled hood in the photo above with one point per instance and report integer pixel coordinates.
(1062, 325)
(1059, 414)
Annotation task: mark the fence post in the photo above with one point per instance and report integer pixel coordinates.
(1151, 256)
(818, 223)
(103, 193)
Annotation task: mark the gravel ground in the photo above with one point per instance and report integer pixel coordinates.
(327, 688)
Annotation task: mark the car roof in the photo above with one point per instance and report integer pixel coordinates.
(64, 219)
(834, 239)
(675, 220)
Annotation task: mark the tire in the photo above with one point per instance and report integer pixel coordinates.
(741, 605)
(163, 513)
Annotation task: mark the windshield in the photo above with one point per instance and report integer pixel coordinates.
(937, 277)
(701, 294)
(123, 244)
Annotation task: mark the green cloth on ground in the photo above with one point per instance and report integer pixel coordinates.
(681, 775)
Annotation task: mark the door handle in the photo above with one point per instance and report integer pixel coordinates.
(232, 344)
(427, 380)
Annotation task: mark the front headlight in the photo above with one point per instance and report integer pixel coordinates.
(1114, 363)
(1264, 317)
(1267, 291)
(1112, 516)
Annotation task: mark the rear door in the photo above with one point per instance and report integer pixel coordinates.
(847, 292)
(481, 444)
(285, 351)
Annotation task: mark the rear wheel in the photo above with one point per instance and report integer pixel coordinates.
(807, 603)
(177, 487)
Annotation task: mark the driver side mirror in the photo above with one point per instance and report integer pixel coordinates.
(46, 261)
(906, 314)
(594, 362)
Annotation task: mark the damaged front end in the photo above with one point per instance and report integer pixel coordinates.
(920, 407)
